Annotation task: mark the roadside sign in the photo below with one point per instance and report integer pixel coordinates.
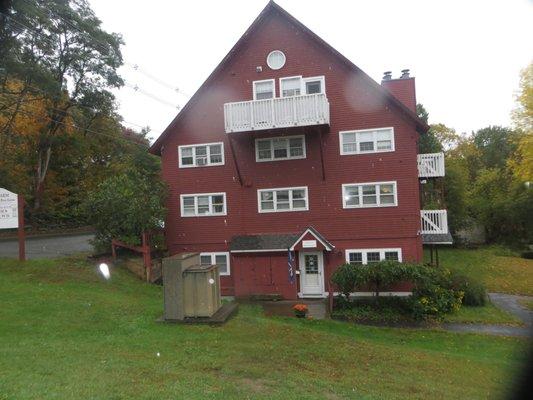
(8, 210)
(12, 216)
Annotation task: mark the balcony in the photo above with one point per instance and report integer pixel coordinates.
(434, 222)
(430, 165)
(282, 112)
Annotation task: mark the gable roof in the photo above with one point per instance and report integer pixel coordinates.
(312, 231)
(271, 8)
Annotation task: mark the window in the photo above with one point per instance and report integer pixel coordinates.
(367, 256)
(374, 194)
(205, 204)
(280, 148)
(200, 155)
(367, 141)
(296, 86)
(220, 259)
(290, 86)
(283, 199)
(276, 59)
(264, 89)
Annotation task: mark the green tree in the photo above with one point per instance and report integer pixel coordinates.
(523, 114)
(124, 206)
(59, 51)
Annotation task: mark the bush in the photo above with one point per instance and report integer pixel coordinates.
(527, 254)
(475, 293)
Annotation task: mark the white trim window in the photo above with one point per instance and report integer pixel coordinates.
(265, 89)
(371, 194)
(368, 256)
(283, 199)
(201, 155)
(221, 259)
(203, 204)
(280, 148)
(366, 141)
(297, 85)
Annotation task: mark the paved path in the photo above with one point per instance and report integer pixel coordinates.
(510, 303)
(48, 247)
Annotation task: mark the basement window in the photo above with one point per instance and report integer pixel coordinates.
(203, 205)
(280, 148)
(367, 141)
(221, 259)
(201, 155)
(368, 256)
(282, 199)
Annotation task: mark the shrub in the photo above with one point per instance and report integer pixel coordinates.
(527, 254)
(475, 293)
(346, 277)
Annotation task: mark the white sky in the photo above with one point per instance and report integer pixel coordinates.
(465, 54)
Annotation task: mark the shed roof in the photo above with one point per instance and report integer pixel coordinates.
(437, 238)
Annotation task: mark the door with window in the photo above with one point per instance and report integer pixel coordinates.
(311, 274)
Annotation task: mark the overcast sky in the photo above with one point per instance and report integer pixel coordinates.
(466, 55)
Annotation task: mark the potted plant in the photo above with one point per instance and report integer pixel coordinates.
(300, 310)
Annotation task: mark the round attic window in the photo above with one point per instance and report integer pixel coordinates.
(276, 59)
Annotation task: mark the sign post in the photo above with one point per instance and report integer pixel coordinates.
(12, 216)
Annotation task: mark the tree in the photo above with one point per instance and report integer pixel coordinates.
(523, 114)
(58, 51)
(496, 145)
(124, 206)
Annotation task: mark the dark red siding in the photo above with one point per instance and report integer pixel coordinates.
(354, 104)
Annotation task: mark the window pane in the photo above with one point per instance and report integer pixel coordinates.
(218, 204)
(215, 153)
(187, 161)
(372, 256)
(369, 189)
(203, 204)
(298, 198)
(348, 137)
(222, 262)
(391, 255)
(188, 206)
(384, 135)
(290, 87)
(369, 194)
(267, 205)
(205, 260)
(356, 258)
(366, 146)
(186, 152)
(386, 194)
(282, 200)
(313, 87)
(201, 155)
(267, 196)
(280, 148)
(349, 148)
(351, 195)
(264, 90)
(263, 144)
(298, 204)
(384, 145)
(296, 147)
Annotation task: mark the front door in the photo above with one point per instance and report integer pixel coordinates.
(311, 273)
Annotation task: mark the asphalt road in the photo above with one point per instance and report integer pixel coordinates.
(48, 247)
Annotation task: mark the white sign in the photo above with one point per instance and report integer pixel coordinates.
(8, 209)
(309, 244)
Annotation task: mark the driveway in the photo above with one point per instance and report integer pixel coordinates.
(48, 247)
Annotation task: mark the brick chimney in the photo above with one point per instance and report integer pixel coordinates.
(402, 88)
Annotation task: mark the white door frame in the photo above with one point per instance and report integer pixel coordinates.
(301, 264)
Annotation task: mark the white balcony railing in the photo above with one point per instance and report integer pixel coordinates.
(434, 221)
(430, 165)
(282, 112)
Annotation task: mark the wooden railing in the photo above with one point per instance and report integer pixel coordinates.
(430, 165)
(434, 221)
(312, 109)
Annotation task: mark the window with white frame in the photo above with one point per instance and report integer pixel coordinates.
(220, 259)
(368, 256)
(373, 194)
(201, 155)
(283, 199)
(204, 204)
(264, 89)
(296, 86)
(280, 148)
(367, 141)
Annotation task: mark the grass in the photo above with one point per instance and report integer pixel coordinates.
(498, 268)
(487, 314)
(65, 334)
(527, 304)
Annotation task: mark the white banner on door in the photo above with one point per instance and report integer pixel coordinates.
(8, 209)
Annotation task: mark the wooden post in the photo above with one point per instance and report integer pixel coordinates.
(21, 234)
(147, 257)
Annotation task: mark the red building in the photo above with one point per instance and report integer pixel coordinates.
(290, 150)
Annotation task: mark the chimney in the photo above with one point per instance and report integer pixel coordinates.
(403, 88)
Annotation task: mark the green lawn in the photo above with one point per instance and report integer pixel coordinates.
(499, 269)
(67, 334)
(488, 314)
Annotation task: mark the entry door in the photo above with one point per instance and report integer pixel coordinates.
(312, 273)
